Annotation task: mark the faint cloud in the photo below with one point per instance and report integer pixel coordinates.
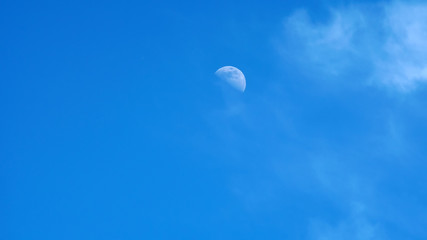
(387, 42)
(351, 190)
(355, 227)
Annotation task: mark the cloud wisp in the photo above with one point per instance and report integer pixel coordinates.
(385, 42)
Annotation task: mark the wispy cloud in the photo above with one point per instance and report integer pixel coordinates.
(386, 41)
(355, 227)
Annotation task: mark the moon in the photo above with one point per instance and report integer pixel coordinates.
(232, 76)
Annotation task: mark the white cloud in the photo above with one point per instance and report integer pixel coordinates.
(388, 41)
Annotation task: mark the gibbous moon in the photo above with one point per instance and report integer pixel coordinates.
(233, 76)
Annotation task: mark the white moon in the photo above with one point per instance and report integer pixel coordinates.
(233, 76)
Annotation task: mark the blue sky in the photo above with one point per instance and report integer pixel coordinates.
(114, 125)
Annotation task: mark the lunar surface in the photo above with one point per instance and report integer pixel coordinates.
(232, 76)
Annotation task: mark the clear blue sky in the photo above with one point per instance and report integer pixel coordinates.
(114, 126)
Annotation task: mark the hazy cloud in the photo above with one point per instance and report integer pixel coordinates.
(387, 41)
